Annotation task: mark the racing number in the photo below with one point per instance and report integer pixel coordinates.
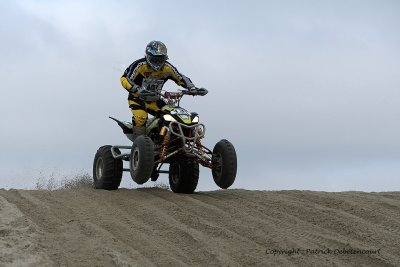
(153, 84)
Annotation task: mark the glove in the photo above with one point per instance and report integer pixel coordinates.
(137, 89)
(142, 90)
(134, 89)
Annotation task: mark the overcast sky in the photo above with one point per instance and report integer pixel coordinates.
(307, 91)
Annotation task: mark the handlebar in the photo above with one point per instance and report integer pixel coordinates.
(176, 95)
(196, 91)
(166, 94)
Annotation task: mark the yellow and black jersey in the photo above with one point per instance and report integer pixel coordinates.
(139, 73)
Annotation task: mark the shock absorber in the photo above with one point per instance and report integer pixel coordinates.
(167, 137)
(200, 134)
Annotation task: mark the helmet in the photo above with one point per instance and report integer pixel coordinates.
(156, 54)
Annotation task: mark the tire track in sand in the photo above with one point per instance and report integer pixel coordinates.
(154, 227)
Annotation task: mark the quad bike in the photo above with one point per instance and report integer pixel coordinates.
(173, 137)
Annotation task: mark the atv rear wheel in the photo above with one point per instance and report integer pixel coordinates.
(107, 171)
(224, 164)
(183, 176)
(142, 159)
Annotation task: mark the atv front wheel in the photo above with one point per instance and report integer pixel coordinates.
(142, 159)
(183, 176)
(224, 163)
(107, 171)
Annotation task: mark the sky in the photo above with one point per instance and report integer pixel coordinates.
(307, 91)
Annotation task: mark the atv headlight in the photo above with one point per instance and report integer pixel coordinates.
(168, 117)
(195, 119)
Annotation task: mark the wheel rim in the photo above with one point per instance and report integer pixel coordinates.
(217, 164)
(135, 159)
(99, 168)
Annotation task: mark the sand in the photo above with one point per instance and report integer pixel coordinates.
(155, 227)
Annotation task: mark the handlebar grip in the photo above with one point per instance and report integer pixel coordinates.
(202, 91)
(196, 91)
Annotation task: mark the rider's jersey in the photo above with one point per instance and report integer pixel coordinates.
(139, 73)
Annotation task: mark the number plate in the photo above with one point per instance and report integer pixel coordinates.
(153, 85)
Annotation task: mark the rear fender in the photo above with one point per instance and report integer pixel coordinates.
(125, 126)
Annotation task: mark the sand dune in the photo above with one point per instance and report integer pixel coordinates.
(154, 227)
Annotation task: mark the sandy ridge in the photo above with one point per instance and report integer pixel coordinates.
(154, 227)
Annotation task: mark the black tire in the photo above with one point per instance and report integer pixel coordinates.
(224, 164)
(142, 159)
(107, 171)
(183, 176)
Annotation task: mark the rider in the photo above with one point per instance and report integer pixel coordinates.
(147, 75)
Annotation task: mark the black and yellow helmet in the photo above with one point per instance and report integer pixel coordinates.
(156, 54)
